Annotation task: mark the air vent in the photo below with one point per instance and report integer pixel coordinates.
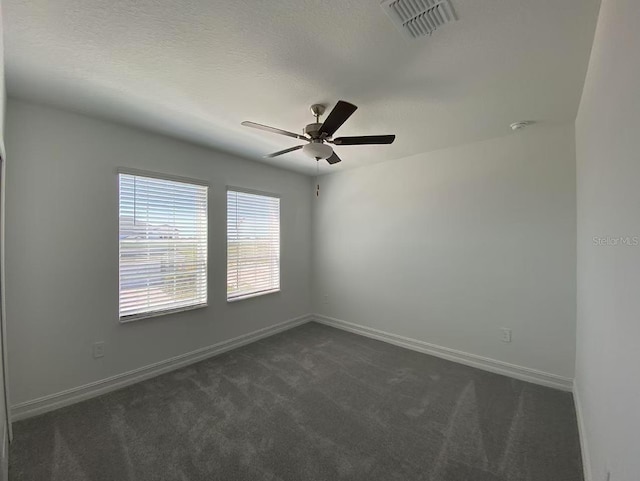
(417, 18)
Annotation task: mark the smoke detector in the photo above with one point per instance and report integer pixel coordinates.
(418, 18)
(520, 125)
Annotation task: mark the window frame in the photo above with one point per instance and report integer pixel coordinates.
(175, 178)
(245, 190)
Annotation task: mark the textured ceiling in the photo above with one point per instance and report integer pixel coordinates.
(195, 69)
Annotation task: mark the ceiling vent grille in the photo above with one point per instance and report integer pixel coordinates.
(417, 18)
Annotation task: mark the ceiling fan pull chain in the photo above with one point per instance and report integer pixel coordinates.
(317, 174)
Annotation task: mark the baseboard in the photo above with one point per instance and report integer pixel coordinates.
(584, 447)
(70, 396)
(473, 360)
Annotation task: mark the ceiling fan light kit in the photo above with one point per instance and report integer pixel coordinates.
(317, 150)
(318, 135)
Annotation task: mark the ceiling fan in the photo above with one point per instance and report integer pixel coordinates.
(319, 135)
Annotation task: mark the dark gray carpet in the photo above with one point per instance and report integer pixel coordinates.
(313, 403)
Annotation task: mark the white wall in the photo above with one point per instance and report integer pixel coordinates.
(449, 246)
(3, 92)
(62, 249)
(608, 187)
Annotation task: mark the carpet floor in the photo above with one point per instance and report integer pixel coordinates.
(312, 403)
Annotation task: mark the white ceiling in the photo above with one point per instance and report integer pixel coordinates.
(195, 69)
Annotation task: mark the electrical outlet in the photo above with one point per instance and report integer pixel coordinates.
(506, 334)
(98, 349)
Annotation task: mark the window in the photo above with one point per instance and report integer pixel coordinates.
(163, 246)
(253, 244)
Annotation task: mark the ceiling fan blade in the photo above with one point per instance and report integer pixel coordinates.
(285, 151)
(334, 159)
(365, 140)
(340, 113)
(273, 130)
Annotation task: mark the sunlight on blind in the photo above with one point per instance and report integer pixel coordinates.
(163, 245)
(253, 244)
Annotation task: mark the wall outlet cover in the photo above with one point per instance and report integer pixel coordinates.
(506, 334)
(98, 349)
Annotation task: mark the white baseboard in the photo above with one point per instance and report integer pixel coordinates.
(584, 447)
(70, 396)
(473, 360)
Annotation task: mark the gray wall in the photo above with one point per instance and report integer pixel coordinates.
(4, 446)
(608, 170)
(448, 247)
(62, 249)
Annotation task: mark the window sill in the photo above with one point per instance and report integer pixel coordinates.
(148, 315)
(252, 295)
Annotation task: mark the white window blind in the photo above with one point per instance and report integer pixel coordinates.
(163, 245)
(253, 244)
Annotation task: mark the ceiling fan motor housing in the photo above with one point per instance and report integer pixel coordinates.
(313, 130)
